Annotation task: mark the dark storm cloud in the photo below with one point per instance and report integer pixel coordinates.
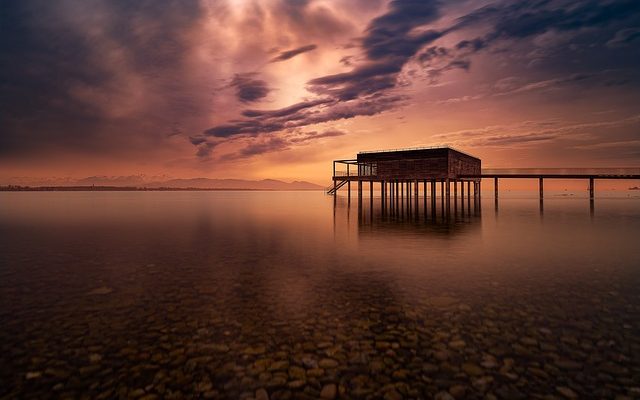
(278, 143)
(524, 19)
(390, 41)
(66, 68)
(286, 55)
(249, 89)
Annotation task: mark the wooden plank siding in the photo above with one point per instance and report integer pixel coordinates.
(420, 164)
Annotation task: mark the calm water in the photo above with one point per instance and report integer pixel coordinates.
(286, 295)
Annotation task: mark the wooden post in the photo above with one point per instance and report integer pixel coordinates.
(541, 188)
(433, 197)
(448, 200)
(334, 178)
(395, 193)
(495, 187)
(348, 190)
(359, 191)
(469, 196)
(591, 188)
(371, 189)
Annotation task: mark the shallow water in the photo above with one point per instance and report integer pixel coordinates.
(290, 295)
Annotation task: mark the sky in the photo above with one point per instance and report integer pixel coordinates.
(277, 89)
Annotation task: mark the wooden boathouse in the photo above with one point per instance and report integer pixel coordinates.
(400, 172)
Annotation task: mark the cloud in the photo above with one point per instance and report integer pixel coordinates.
(528, 133)
(81, 77)
(390, 41)
(313, 135)
(248, 89)
(286, 55)
(624, 37)
(279, 143)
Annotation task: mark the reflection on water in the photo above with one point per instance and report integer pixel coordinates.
(300, 295)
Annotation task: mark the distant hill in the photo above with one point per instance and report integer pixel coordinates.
(207, 183)
(141, 182)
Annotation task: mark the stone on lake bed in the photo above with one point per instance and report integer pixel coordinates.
(457, 344)
(261, 394)
(328, 363)
(567, 392)
(297, 384)
(329, 391)
(443, 301)
(100, 291)
(472, 369)
(33, 375)
(255, 350)
(315, 372)
(297, 373)
(443, 396)
(458, 391)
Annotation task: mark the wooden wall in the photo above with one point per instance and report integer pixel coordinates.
(421, 164)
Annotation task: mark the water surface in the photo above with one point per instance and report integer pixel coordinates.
(292, 295)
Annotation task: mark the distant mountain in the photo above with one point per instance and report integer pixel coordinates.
(207, 183)
(141, 181)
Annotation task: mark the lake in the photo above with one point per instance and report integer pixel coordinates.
(240, 294)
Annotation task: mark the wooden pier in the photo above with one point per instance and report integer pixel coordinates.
(401, 173)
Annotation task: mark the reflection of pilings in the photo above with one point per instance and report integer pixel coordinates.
(469, 196)
(455, 196)
(349, 192)
(442, 195)
(417, 195)
(424, 197)
(448, 200)
(541, 188)
(462, 196)
(433, 198)
(359, 193)
(396, 195)
(495, 189)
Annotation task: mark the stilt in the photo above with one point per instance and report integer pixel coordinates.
(591, 188)
(495, 188)
(433, 198)
(455, 197)
(541, 188)
(371, 189)
(448, 199)
(348, 190)
(424, 197)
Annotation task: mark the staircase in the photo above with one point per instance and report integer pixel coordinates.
(331, 190)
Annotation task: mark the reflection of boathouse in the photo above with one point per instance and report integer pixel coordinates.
(400, 173)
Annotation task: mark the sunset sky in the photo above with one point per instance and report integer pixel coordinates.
(277, 89)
